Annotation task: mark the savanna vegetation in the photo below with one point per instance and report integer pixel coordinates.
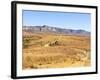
(55, 51)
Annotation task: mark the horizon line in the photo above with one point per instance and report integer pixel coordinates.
(55, 27)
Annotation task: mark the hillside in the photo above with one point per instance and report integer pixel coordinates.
(50, 47)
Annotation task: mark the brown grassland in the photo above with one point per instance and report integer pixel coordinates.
(55, 51)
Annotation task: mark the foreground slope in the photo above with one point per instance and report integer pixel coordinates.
(53, 50)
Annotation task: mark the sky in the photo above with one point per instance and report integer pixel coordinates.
(67, 20)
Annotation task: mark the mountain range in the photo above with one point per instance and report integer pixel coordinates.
(50, 29)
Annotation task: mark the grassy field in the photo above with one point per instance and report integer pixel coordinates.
(55, 51)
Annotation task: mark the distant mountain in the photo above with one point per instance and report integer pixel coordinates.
(50, 29)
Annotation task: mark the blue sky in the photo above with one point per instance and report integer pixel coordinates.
(67, 20)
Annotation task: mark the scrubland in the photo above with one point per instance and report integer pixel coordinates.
(55, 51)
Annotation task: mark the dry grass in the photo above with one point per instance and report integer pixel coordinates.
(69, 51)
